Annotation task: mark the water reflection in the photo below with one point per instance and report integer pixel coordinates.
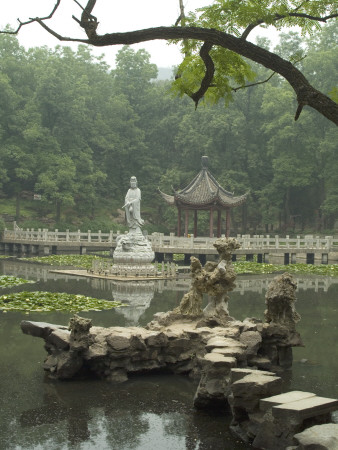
(149, 412)
(136, 295)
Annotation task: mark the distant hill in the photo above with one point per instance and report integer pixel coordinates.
(165, 73)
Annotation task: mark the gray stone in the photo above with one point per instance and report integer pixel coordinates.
(237, 352)
(97, 350)
(39, 329)
(260, 362)
(221, 342)
(79, 333)
(156, 340)
(252, 340)
(217, 360)
(305, 408)
(318, 437)
(248, 391)
(118, 342)
(288, 397)
(239, 373)
(280, 299)
(60, 338)
(68, 365)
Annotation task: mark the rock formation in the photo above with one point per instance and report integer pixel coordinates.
(214, 279)
(231, 359)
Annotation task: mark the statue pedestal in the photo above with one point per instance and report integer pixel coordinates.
(133, 255)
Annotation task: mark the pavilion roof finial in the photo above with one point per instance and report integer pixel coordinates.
(204, 162)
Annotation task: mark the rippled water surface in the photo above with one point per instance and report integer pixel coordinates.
(147, 412)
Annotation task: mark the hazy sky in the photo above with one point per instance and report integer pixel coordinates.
(113, 15)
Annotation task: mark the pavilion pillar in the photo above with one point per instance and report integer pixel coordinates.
(179, 223)
(219, 216)
(211, 223)
(195, 222)
(227, 223)
(186, 223)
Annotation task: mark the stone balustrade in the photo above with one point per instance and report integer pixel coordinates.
(161, 241)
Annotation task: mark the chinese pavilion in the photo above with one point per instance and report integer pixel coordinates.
(204, 193)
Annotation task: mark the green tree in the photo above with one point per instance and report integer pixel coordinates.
(217, 35)
(57, 184)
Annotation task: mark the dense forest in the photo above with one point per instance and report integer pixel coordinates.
(73, 131)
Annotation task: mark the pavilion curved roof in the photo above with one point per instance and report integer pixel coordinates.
(204, 190)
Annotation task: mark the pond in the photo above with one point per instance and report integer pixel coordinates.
(147, 412)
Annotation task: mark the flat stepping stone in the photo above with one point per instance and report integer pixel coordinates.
(218, 360)
(219, 341)
(229, 351)
(305, 408)
(288, 397)
(239, 373)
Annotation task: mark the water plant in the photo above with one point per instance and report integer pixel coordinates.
(81, 261)
(9, 281)
(52, 301)
(257, 268)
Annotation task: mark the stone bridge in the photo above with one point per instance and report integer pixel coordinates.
(273, 249)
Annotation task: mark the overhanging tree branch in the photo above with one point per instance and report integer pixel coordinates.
(209, 73)
(31, 20)
(306, 94)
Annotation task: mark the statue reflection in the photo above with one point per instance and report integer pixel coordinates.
(137, 295)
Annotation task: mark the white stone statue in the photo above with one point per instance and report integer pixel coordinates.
(134, 248)
(132, 206)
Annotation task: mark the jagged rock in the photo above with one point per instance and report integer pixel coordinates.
(214, 279)
(79, 333)
(97, 350)
(155, 339)
(280, 299)
(247, 391)
(40, 329)
(221, 342)
(60, 338)
(260, 362)
(237, 352)
(252, 341)
(318, 437)
(68, 365)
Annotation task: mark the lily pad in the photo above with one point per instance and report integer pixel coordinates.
(9, 281)
(82, 261)
(257, 268)
(53, 301)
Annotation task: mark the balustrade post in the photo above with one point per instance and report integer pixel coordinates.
(89, 236)
(110, 236)
(172, 236)
(276, 241)
(298, 242)
(99, 236)
(67, 235)
(329, 242)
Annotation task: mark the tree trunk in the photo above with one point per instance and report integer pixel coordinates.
(18, 206)
(58, 211)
